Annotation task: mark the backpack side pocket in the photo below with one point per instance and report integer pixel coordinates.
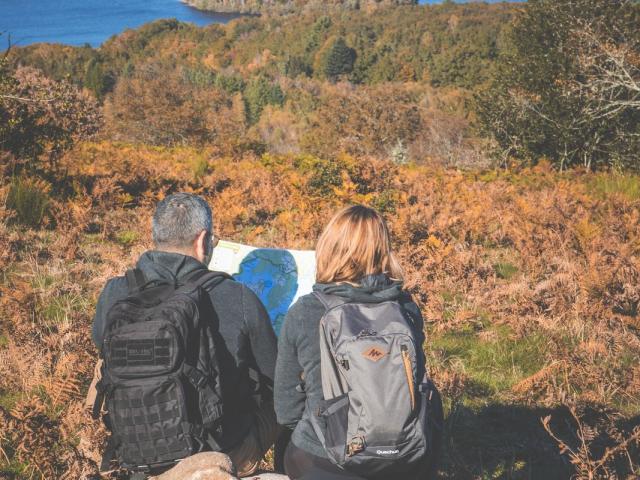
(336, 416)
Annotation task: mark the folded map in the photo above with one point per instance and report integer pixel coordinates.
(279, 277)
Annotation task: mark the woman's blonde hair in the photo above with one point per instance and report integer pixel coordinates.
(354, 244)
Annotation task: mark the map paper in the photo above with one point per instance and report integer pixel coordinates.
(277, 276)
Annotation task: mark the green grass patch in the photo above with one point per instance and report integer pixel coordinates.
(14, 469)
(199, 168)
(42, 281)
(493, 359)
(55, 311)
(505, 270)
(8, 400)
(126, 238)
(29, 201)
(605, 185)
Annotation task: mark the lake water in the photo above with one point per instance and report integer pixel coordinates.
(76, 22)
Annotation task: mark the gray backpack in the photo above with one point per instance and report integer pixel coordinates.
(377, 417)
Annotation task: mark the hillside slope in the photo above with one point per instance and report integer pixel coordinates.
(528, 281)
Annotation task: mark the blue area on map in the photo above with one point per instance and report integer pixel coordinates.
(273, 275)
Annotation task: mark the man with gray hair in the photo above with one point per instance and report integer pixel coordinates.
(245, 348)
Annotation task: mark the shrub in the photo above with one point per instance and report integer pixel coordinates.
(29, 200)
(98, 78)
(259, 93)
(42, 118)
(568, 88)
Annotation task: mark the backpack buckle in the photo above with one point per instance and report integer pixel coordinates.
(196, 377)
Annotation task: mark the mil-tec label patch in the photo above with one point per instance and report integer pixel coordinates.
(374, 354)
(149, 352)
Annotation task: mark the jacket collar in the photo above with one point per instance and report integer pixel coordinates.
(371, 289)
(167, 266)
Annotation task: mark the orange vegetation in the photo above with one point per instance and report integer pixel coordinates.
(530, 283)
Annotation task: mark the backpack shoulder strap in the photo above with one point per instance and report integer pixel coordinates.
(135, 280)
(330, 301)
(207, 279)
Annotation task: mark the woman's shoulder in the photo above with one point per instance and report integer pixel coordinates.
(302, 319)
(307, 304)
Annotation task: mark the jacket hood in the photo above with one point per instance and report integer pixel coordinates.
(372, 289)
(167, 266)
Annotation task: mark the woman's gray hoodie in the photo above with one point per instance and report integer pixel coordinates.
(298, 363)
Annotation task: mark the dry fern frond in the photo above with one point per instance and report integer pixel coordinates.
(542, 375)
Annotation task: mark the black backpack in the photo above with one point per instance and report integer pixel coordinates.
(160, 380)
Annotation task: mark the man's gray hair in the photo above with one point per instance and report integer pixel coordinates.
(178, 220)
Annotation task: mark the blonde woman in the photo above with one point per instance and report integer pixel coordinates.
(355, 264)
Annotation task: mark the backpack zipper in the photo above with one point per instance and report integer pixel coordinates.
(409, 371)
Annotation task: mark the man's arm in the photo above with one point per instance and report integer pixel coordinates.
(261, 335)
(115, 289)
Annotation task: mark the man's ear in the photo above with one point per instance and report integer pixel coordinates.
(200, 246)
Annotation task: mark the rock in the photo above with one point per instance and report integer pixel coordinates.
(210, 466)
(267, 476)
(202, 466)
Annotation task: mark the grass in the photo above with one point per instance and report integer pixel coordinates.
(14, 469)
(29, 201)
(493, 359)
(127, 238)
(55, 305)
(606, 185)
(499, 441)
(199, 168)
(505, 270)
(58, 310)
(8, 400)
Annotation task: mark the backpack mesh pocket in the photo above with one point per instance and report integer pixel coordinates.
(336, 414)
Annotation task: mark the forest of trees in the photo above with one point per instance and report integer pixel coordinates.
(291, 6)
(471, 84)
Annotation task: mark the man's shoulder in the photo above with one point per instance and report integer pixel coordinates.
(226, 286)
(230, 292)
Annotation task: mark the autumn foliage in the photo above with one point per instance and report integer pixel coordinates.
(529, 282)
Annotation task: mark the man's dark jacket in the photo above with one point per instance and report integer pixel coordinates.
(250, 341)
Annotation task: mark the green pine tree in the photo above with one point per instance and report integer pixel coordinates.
(339, 59)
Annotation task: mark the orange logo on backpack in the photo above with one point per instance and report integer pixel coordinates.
(374, 354)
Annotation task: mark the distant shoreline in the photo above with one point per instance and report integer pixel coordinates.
(254, 7)
(231, 10)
